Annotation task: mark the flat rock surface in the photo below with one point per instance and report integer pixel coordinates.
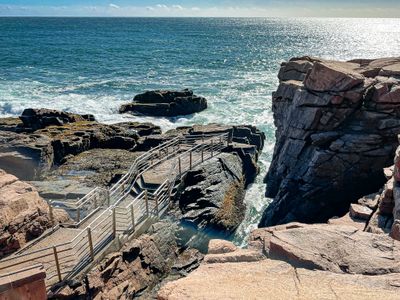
(270, 279)
(334, 248)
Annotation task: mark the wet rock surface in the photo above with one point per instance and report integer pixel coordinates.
(337, 126)
(166, 103)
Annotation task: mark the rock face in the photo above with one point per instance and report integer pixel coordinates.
(337, 126)
(24, 215)
(233, 275)
(211, 196)
(136, 269)
(166, 103)
(209, 199)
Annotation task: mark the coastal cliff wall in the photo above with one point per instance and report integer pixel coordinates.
(336, 128)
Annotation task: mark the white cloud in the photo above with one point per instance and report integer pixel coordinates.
(114, 6)
(178, 7)
(150, 8)
(162, 6)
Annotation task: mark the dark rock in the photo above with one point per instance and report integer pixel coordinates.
(142, 129)
(211, 199)
(166, 103)
(34, 119)
(59, 136)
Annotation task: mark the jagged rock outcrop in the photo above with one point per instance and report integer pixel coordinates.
(244, 274)
(337, 126)
(24, 215)
(34, 119)
(210, 197)
(209, 201)
(166, 103)
(134, 272)
(46, 138)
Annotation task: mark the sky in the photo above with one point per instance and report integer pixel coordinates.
(203, 8)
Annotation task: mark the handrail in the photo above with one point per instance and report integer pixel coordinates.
(105, 227)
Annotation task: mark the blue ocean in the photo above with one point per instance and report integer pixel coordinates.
(93, 65)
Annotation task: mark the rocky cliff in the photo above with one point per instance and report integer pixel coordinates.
(336, 128)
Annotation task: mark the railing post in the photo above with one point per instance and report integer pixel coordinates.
(95, 201)
(57, 264)
(220, 139)
(180, 166)
(146, 199)
(167, 151)
(51, 213)
(133, 218)
(78, 214)
(190, 159)
(228, 139)
(108, 197)
(114, 223)
(91, 249)
(212, 148)
(157, 205)
(202, 154)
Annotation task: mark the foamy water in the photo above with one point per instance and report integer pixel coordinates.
(95, 65)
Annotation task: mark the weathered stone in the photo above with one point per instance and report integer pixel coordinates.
(348, 220)
(269, 279)
(360, 212)
(24, 215)
(220, 247)
(332, 77)
(336, 249)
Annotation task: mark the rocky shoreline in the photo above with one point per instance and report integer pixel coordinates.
(63, 156)
(332, 230)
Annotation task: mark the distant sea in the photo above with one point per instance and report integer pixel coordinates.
(93, 65)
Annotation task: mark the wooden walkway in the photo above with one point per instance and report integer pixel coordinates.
(104, 215)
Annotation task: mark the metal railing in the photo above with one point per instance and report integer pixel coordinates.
(65, 260)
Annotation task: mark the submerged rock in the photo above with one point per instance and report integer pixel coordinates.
(337, 126)
(166, 103)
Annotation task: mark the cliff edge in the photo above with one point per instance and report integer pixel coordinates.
(336, 128)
